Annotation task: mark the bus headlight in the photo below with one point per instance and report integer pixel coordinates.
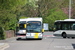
(40, 34)
(28, 34)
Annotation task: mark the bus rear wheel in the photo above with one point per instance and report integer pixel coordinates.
(18, 39)
(64, 35)
(72, 37)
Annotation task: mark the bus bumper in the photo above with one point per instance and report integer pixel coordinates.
(21, 35)
(32, 37)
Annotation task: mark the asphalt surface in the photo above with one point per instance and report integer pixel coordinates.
(49, 42)
(3, 46)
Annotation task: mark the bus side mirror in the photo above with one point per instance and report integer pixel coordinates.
(17, 25)
(24, 25)
(42, 30)
(53, 29)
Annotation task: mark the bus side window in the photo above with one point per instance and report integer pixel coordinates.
(58, 26)
(73, 26)
(65, 27)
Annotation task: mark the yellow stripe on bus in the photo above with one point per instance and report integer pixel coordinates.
(24, 25)
(36, 35)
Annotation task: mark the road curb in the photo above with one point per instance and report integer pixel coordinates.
(4, 46)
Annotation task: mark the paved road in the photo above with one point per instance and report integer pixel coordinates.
(49, 42)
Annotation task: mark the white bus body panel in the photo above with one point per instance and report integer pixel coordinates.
(69, 33)
(22, 20)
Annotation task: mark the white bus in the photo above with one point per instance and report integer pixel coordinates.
(65, 28)
(34, 28)
(22, 29)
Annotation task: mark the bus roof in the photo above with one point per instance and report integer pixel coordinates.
(22, 19)
(65, 20)
(34, 19)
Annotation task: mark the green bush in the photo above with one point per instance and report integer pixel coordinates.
(2, 34)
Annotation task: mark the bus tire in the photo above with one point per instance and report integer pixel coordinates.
(18, 39)
(64, 35)
(26, 38)
(68, 37)
(72, 37)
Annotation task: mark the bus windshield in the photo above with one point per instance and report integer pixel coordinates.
(34, 26)
(21, 25)
(64, 26)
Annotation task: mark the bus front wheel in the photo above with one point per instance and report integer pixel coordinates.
(64, 35)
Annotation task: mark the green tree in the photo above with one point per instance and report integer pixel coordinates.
(53, 15)
(8, 13)
(9, 4)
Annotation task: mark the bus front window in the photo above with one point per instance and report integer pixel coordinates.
(34, 26)
(21, 25)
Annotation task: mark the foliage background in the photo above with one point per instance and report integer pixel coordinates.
(50, 10)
